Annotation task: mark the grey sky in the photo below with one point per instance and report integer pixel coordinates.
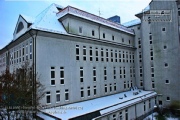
(10, 10)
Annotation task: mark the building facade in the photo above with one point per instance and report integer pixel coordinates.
(81, 57)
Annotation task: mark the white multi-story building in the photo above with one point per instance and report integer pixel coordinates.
(92, 67)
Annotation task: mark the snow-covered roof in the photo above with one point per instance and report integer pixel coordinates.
(103, 104)
(47, 20)
(44, 116)
(145, 9)
(28, 18)
(94, 18)
(132, 23)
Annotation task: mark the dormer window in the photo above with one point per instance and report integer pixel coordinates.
(20, 27)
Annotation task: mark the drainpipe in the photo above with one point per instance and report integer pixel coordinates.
(34, 71)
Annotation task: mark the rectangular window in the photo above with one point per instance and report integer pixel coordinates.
(124, 84)
(140, 55)
(30, 49)
(107, 55)
(66, 94)
(116, 56)
(163, 29)
(120, 71)
(167, 81)
(82, 92)
(105, 73)
(93, 33)
(20, 55)
(110, 88)
(23, 50)
(122, 39)
(114, 117)
(153, 85)
(52, 72)
(114, 86)
(57, 96)
(127, 84)
(127, 57)
(77, 52)
(104, 35)
(134, 71)
(123, 57)
(102, 55)
(144, 106)
(168, 98)
(139, 42)
(126, 114)
(120, 116)
(150, 42)
(52, 75)
(140, 71)
(96, 54)
(124, 72)
(105, 88)
(150, 37)
(119, 56)
(94, 74)
(151, 54)
(149, 104)
(114, 71)
(131, 72)
(91, 54)
(61, 75)
(111, 55)
(84, 53)
(81, 74)
(26, 51)
(52, 82)
(80, 29)
(133, 57)
(141, 83)
(17, 55)
(48, 97)
(94, 90)
(88, 91)
(112, 37)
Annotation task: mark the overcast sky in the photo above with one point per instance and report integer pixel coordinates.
(10, 10)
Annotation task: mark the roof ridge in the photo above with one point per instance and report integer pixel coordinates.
(43, 13)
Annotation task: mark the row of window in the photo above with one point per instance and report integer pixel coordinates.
(122, 74)
(89, 92)
(2, 60)
(93, 33)
(21, 53)
(58, 96)
(61, 78)
(108, 55)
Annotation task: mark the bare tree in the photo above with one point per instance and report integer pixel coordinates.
(21, 92)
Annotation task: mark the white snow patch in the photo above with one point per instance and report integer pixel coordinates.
(132, 22)
(113, 101)
(28, 18)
